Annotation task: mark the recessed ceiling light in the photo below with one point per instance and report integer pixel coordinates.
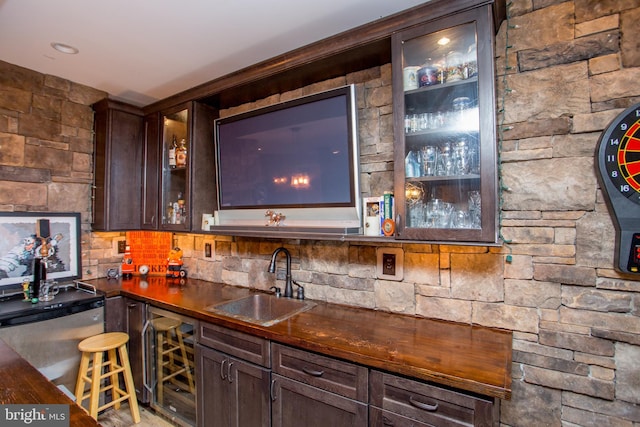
(443, 41)
(65, 48)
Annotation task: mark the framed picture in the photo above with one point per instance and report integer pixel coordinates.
(26, 235)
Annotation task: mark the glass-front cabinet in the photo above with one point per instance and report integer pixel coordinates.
(175, 177)
(444, 117)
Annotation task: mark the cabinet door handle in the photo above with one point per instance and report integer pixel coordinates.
(386, 421)
(424, 406)
(132, 305)
(222, 369)
(272, 390)
(313, 372)
(229, 377)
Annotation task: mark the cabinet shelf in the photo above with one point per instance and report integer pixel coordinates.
(444, 178)
(470, 81)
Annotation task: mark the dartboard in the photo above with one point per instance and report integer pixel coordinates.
(620, 154)
(618, 163)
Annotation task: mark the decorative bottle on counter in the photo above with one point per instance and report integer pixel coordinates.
(181, 154)
(172, 152)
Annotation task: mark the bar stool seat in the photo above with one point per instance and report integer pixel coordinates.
(93, 349)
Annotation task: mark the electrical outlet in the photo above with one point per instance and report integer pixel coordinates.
(207, 250)
(122, 246)
(390, 263)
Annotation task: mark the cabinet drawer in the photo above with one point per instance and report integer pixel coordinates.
(243, 346)
(343, 378)
(429, 403)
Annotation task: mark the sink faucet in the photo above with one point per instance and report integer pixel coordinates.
(288, 288)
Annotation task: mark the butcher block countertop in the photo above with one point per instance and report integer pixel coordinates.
(463, 356)
(21, 383)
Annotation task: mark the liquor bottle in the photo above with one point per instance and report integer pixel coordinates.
(181, 154)
(172, 153)
(181, 209)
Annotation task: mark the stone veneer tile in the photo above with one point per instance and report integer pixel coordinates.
(604, 64)
(598, 300)
(513, 414)
(587, 10)
(564, 381)
(616, 322)
(570, 51)
(526, 293)
(627, 378)
(523, 319)
(617, 84)
(618, 409)
(597, 25)
(550, 184)
(577, 342)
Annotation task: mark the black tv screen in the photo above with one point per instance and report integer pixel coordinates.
(298, 155)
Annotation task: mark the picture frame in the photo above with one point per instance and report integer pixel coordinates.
(22, 235)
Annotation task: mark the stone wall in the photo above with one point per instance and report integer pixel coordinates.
(574, 65)
(46, 145)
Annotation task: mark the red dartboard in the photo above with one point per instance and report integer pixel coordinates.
(618, 165)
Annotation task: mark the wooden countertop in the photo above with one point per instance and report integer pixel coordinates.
(21, 383)
(464, 356)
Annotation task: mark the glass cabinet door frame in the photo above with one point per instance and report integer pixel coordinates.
(482, 18)
(166, 195)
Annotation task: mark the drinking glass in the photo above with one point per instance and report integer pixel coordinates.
(475, 211)
(429, 160)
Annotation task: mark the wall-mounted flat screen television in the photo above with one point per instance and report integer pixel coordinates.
(298, 158)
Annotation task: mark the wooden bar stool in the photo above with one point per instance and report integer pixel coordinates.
(171, 357)
(93, 349)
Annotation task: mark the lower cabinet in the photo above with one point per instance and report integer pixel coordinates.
(297, 404)
(398, 401)
(232, 392)
(312, 390)
(232, 386)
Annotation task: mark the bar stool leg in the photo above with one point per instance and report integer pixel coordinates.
(82, 373)
(185, 360)
(115, 383)
(130, 387)
(95, 384)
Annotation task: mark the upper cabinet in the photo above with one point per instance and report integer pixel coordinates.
(175, 185)
(118, 141)
(179, 168)
(445, 161)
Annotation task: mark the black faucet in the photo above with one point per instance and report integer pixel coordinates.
(288, 287)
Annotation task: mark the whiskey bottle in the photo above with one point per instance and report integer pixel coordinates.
(181, 154)
(172, 153)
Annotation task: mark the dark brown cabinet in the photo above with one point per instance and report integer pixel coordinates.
(179, 168)
(399, 401)
(445, 164)
(233, 378)
(124, 314)
(117, 166)
(235, 392)
(314, 390)
(150, 173)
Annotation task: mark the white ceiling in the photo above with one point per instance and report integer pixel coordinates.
(141, 51)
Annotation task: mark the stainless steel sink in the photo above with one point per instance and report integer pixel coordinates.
(261, 309)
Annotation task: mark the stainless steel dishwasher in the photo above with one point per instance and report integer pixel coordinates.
(47, 334)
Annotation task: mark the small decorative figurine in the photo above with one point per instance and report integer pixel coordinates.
(174, 264)
(127, 263)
